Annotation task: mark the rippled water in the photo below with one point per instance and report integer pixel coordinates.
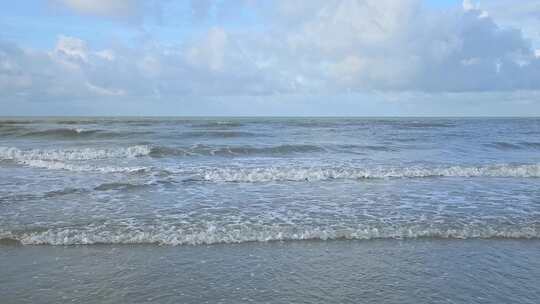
(189, 181)
(377, 271)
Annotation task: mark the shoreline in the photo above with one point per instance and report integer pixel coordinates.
(377, 271)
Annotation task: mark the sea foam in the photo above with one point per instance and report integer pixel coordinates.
(16, 154)
(265, 174)
(58, 165)
(70, 159)
(248, 233)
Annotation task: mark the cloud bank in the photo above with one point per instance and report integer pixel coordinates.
(302, 47)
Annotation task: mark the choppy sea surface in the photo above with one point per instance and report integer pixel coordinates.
(187, 182)
(181, 181)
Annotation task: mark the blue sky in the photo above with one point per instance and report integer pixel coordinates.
(37, 23)
(270, 57)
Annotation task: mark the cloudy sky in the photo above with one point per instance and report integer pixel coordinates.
(270, 57)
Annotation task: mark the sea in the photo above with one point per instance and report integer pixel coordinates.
(269, 210)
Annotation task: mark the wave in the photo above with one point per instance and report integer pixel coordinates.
(217, 124)
(11, 130)
(242, 233)
(119, 186)
(523, 145)
(58, 133)
(254, 175)
(65, 191)
(79, 154)
(380, 148)
(15, 154)
(78, 133)
(530, 145)
(17, 122)
(422, 124)
(59, 159)
(206, 150)
(58, 165)
(503, 146)
(23, 131)
(61, 133)
(218, 134)
(209, 150)
(112, 186)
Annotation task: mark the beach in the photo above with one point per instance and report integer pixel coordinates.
(375, 271)
(269, 210)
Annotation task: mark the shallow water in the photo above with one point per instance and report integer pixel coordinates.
(416, 210)
(195, 181)
(374, 271)
(153, 181)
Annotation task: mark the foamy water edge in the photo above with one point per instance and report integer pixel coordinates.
(223, 235)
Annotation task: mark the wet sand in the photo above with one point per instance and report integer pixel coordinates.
(374, 271)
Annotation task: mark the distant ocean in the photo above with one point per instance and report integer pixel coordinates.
(395, 193)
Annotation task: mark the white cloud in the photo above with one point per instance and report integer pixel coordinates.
(401, 45)
(104, 91)
(71, 49)
(106, 54)
(524, 15)
(468, 5)
(305, 47)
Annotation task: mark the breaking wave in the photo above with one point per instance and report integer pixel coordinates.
(58, 165)
(217, 124)
(254, 175)
(23, 131)
(72, 154)
(61, 133)
(15, 154)
(60, 159)
(169, 235)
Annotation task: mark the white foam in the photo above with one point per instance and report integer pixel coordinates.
(58, 165)
(252, 175)
(60, 159)
(245, 233)
(11, 153)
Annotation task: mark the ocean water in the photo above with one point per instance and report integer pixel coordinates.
(220, 186)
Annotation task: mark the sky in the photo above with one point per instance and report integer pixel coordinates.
(270, 57)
